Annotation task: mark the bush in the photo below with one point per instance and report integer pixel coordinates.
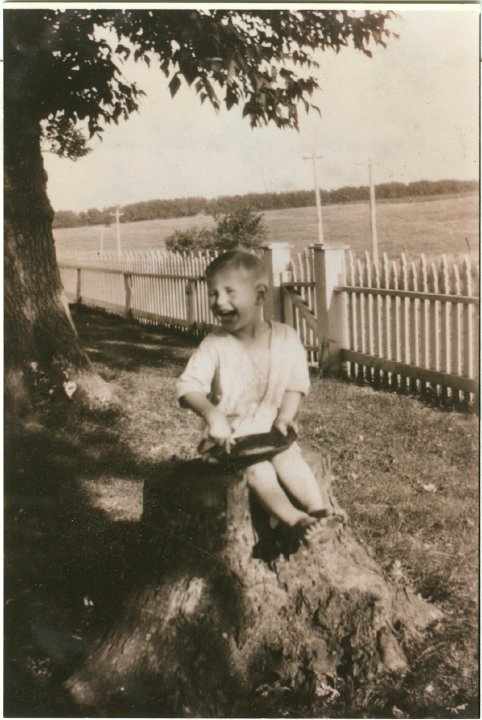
(242, 228)
(192, 239)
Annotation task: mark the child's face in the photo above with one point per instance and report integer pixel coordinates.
(235, 297)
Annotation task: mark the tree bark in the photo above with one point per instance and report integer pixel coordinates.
(41, 343)
(215, 631)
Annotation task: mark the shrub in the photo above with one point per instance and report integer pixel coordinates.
(242, 228)
(192, 239)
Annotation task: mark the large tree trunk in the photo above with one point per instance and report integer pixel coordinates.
(216, 631)
(41, 343)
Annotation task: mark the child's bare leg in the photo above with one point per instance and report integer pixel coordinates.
(296, 476)
(263, 481)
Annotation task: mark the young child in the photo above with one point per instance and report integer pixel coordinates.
(248, 377)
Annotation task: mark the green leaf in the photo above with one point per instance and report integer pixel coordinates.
(174, 85)
(231, 98)
(123, 50)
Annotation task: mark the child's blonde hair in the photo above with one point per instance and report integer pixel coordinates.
(237, 260)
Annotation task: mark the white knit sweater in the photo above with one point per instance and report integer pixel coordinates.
(238, 381)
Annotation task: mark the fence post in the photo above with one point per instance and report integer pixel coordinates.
(276, 258)
(288, 310)
(128, 289)
(190, 300)
(332, 315)
(78, 291)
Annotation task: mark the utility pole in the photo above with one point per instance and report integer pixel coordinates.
(117, 216)
(314, 158)
(102, 241)
(373, 213)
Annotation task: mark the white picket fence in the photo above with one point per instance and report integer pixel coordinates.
(414, 314)
(402, 324)
(405, 324)
(159, 288)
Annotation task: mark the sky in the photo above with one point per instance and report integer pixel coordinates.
(412, 110)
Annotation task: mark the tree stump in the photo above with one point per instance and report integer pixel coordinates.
(213, 628)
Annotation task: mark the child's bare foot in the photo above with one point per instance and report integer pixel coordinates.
(321, 530)
(317, 527)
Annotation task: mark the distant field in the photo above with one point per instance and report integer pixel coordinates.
(432, 225)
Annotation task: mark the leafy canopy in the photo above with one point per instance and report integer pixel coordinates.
(65, 66)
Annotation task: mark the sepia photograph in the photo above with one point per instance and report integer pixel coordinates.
(241, 360)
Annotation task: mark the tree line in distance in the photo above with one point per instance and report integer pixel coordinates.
(189, 206)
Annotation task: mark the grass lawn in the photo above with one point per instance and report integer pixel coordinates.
(406, 474)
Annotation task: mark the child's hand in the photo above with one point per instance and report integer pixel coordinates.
(283, 425)
(220, 430)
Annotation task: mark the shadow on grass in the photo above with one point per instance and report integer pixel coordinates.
(434, 397)
(68, 566)
(127, 345)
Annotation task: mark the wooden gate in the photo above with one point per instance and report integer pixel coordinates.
(298, 302)
(297, 313)
(310, 305)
